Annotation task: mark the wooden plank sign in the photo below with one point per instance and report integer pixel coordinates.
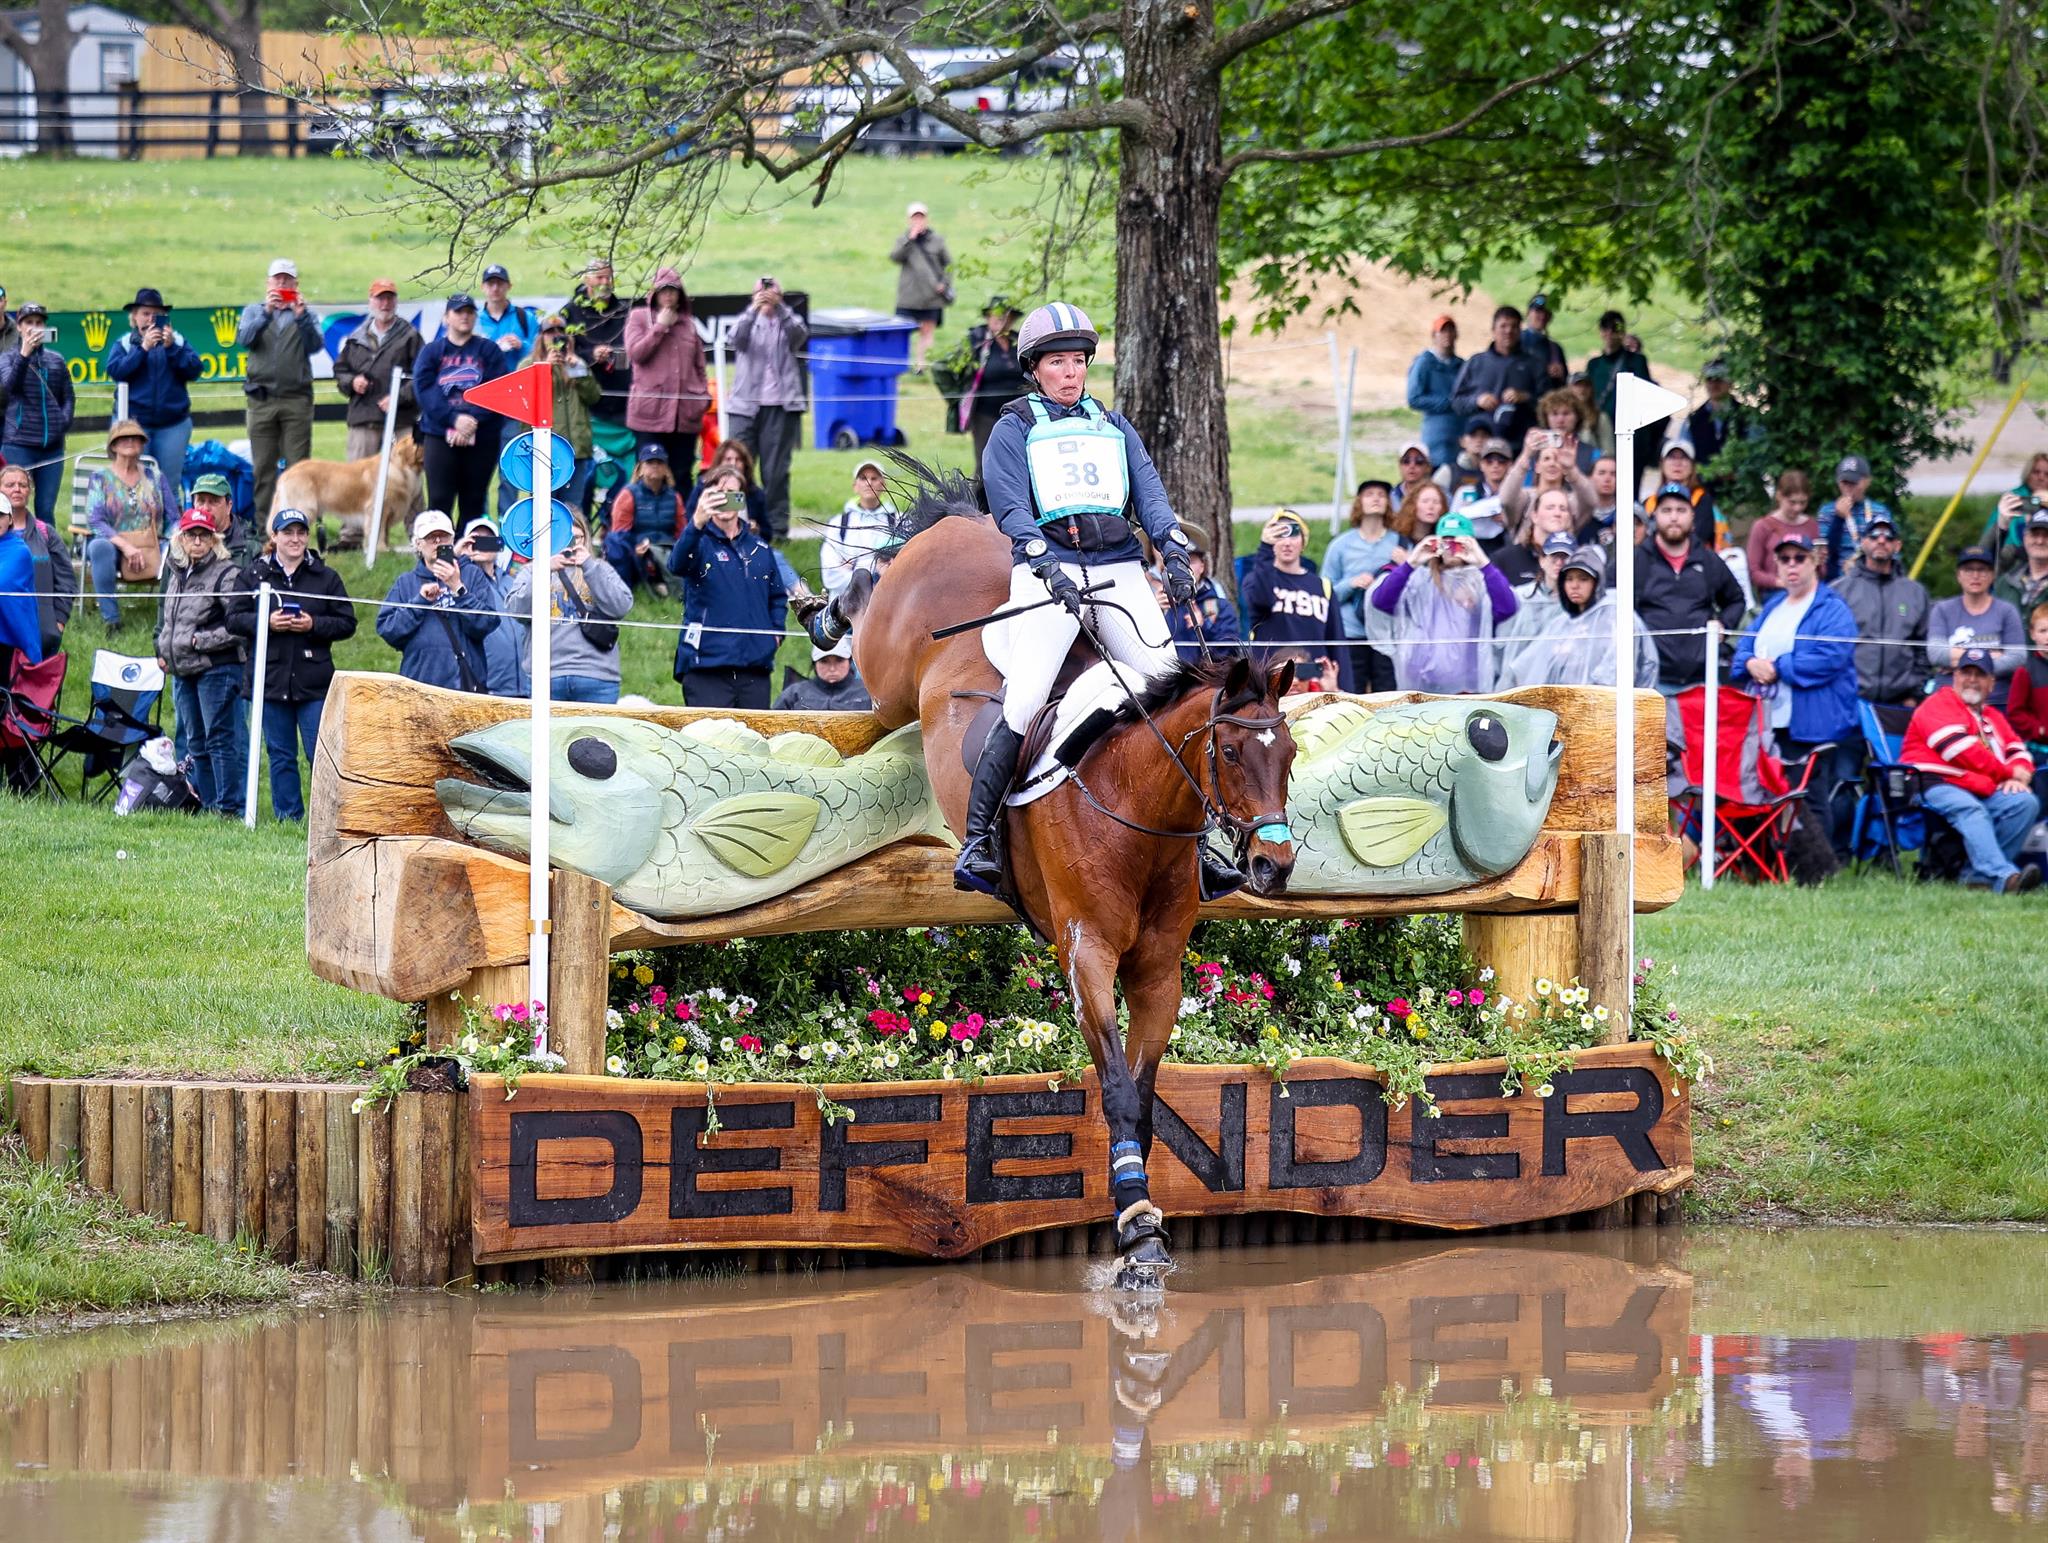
(587, 1165)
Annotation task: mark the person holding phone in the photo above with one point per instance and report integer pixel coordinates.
(735, 602)
(576, 393)
(309, 613)
(35, 383)
(156, 364)
(671, 390)
(1446, 601)
(768, 395)
(438, 613)
(280, 337)
(588, 596)
(461, 441)
(1291, 603)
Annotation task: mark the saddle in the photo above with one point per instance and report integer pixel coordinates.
(1038, 735)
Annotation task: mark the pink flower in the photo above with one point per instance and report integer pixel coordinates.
(1032, 982)
(1398, 1007)
(1455, 999)
(502, 1012)
(658, 996)
(1475, 997)
(1671, 1013)
(519, 1012)
(910, 993)
(751, 1043)
(685, 1012)
(874, 987)
(967, 1028)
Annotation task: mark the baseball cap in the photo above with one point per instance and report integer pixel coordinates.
(1557, 544)
(195, 519)
(2038, 519)
(31, 308)
(1673, 490)
(915, 208)
(461, 300)
(554, 321)
(843, 649)
(481, 522)
(429, 522)
(1589, 560)
(216, 484)
(1454, 525)
(1796, 538)
(284, 517)
(1717, 369)
(284, 268)
(1415, 446)
(1976, 554)
(1443, 321)
(382, 287)
(1678, 447)
(1479, 423)
(1880, 519)
(497, 271)
(1974, 658)
(653, 450)
(873, 466)
(1577, 378)
(1377, 482)
(1539, 302)
(1853, 468)
(1497, 447)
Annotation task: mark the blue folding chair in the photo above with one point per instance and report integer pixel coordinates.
(127, 699)
(1890, 820)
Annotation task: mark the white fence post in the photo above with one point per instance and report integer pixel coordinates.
(1710, 771)
(256, 703)
(718, 375)
(120, 400)
(375, 534)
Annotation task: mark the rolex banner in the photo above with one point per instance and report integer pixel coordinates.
(84, 338)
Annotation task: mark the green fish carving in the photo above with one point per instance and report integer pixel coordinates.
(692, 821)
(1417, 799)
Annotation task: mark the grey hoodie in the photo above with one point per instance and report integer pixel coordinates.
(573, 653)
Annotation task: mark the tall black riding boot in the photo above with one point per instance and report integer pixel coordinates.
(1219, 875)
(980, 864)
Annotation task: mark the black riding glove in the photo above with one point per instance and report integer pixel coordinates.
(1179, 576)
(1063, 588)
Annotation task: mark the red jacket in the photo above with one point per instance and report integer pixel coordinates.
(1974, 750)
(2027, 707)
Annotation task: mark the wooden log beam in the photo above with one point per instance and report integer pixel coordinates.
(1523, 949)
(156, 1150)
(188, 1171)
(1605, 965)
(342, 1151)
(579, 969)
(66, 1103)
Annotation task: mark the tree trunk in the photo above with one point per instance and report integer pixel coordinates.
(244, 46)
(50, 63)
(1169, 342)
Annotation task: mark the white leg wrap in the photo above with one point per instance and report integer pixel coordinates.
(1139, 1208)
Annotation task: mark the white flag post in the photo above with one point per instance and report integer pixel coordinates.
(541, 597)
(1710, 766)
(375, 534)
(718, 373)
(256, 704)
(1638, 404)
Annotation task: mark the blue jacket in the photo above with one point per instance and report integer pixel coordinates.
(427, 640)
(1838, 537)
(156, 378)
(1208, 616)
(1429, 392)
(733, 583)
(445, 370)
(1007, 483)
(1821, 676)
(37, 390)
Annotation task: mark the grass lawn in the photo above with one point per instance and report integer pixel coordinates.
(64, 1249)
(1878, 1043)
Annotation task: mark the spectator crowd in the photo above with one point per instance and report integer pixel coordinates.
(1488, 562)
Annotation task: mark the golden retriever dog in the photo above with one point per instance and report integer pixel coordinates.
(347, 491)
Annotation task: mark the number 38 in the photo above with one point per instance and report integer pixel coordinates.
(1082, 472)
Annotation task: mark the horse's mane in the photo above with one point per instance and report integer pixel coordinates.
(1161, 691)
(929, 495)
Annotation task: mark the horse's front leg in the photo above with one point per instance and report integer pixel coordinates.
(1091, 966)
(1152, 989)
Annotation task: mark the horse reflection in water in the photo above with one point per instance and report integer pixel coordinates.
(1105, 870)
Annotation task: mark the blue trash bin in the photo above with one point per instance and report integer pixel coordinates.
(856, 356)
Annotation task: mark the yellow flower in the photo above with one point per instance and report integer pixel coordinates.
(1421, 1032)
(1272, 1031)
(925, 997)
(923, 1011)
(1412, 1023)
(938, 1031)
(618, 972)
(643, 975)
(679, 1044)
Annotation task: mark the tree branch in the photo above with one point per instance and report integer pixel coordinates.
(1231, 163)
(12, 40)
(1263, 29)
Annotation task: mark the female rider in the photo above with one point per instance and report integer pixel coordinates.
(1066, 479)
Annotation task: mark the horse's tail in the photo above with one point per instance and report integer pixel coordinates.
(929, 496)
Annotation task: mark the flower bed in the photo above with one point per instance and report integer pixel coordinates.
(963, 1004)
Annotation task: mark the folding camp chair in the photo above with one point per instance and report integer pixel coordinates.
(127, 701)
(28, 718)
(1756, 795)
(83, 466)
(1891, 818)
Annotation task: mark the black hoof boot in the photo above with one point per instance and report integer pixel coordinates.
(1144, 1254)
(1220, 876)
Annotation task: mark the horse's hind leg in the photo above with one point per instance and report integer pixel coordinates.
(1142, 1253)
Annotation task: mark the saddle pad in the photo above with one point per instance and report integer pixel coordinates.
(1096, 688)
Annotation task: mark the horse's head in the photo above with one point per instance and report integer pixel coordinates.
(1250, 750)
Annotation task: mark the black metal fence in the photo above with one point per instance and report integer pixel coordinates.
(128, 123)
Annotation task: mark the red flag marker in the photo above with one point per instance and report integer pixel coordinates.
(527, 395)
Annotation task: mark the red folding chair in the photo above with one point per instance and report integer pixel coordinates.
(28, 717)
(1756, 800)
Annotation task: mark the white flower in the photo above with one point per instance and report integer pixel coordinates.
(1435, 1113)
(985, 1061)
(615, 1066)
(1173, 1034)
(1486, 972)
(1544, 986)
(614, 1019)
(781, 1051)
(1293, 966)
(803, 1052)
(1545, 1090)
(832, 1050)
(1601, 1012)
(468, 1044)
(361, 1103)
(701, 1067)
(891, 1059)
(725, 1045)
(716, 993)
(1588, 1021)
(1189, 1006)
(547, 1060)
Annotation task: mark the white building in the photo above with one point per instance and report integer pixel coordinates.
(106, 55)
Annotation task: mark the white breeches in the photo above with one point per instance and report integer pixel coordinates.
(1031, 648)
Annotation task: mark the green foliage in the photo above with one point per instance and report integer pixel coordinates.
(1837, 236)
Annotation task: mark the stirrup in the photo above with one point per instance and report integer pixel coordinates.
(979, 867)
(1219, 875)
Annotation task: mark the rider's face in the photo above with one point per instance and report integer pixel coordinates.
(1063, 376)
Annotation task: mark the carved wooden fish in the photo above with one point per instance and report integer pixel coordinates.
(1418, 798)
(696, 820)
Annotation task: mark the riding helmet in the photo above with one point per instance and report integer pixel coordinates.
(1053, 327)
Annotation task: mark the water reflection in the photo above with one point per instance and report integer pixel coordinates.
(1624, 1385)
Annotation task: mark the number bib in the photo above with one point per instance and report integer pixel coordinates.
(1078, 466)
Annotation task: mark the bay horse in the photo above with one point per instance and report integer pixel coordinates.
(1106, 868)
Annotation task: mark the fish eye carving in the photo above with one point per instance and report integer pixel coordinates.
(593, 758)
(1489, 737)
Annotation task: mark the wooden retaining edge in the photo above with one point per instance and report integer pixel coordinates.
(293, 1170)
